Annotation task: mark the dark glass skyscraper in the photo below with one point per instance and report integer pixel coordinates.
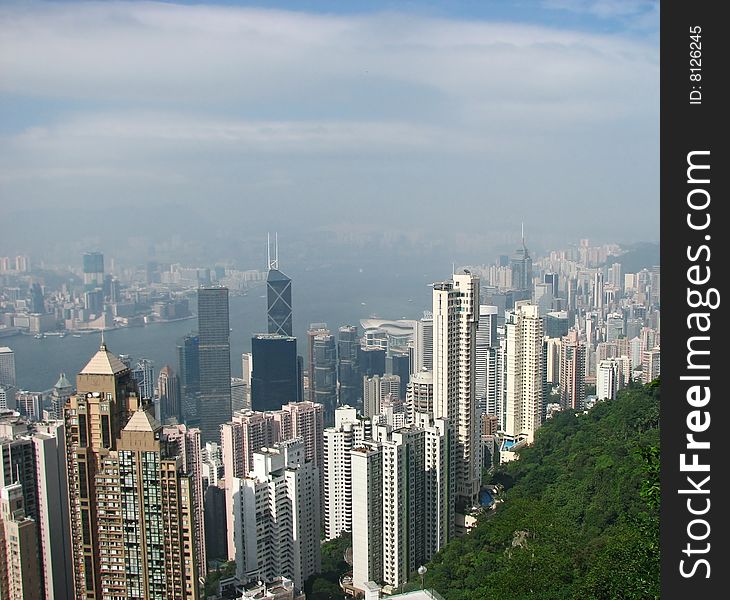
(521, 266)
(348, 369)
(325, 375)
(188, 356)
(278, 297)
(214, 406)
(274, 380)
(93, 270)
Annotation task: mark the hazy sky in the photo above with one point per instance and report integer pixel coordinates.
(436, 118)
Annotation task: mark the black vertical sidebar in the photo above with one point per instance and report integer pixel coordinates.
(695, 456)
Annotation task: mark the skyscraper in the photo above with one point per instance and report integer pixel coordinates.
(423, 344)
(276, 516)
(93, 267)
(20, 575)
(7, 366)
(274, 380)
(314, 330)
(188, 355)
(214, 406)
(521, 266)
(132, 533)
(53, 509)
(524, 371)
(572, 372)
(455, 321)
(144, 374)
(168, 389)
(278, 296)
(325, 374)
(348, 375)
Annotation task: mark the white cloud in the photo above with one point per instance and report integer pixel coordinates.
(155, 92)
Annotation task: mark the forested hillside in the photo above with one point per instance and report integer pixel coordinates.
(579, 517)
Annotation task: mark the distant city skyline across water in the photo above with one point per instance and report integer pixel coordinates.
(336, 297)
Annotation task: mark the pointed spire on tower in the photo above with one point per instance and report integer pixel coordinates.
(103, 345)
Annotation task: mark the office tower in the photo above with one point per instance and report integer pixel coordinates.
(247, 370)
(186, 444)
(399, 363)
(276, 516)
(274, 380)
(238, 394)
(17, 465)
(556, 324)
(423, 344)
(543, 296)
(278, 296)
(61, 392)
(524, 372)
(419, 396)
(37, 302)
(130, 502)
(521, 266)
(650, 365)
(214, 350)
(614, 326)
(608, 379)
(188, 355)
(53, 511)
(324, 360)
(598, 293)
(7, 367)
(93, 267)
(314, 330)
(338, 442)
(372, 361)
(376, 389)
(455, 321)
(572, 372)
(168, 390)
(348, 368)
(20, 575)
(553, 280)
(144, 374)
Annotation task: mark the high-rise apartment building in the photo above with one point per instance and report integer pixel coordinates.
(608, 379)
(338, 442)
(403, 502)
(423, 344)
(60, 394)
(53, 510)
(214, 407)
(572, 372)
(20, 575)
(376, 389)
(276, 516)
(524, 371)
(130, 502)
(650, 364)
(419, 396)
(455, 321)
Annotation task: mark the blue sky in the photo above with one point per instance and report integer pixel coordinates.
(345, 115)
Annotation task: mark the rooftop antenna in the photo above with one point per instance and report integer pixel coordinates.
(276, 250)
(103, 345)
(268, 250)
